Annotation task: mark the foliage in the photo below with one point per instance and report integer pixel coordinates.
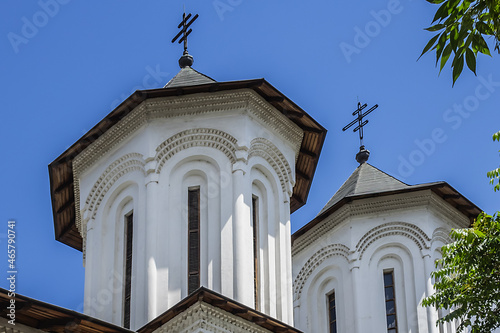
(461, 25)
(469, 280)
(495, 174)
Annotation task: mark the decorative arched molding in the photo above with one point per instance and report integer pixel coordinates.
(186, 170)
(268, 151)
(260, 174)
(106, 249)
(315, 318)
(441, 235)
(124, 193)
(382, 206)
(314, 261)
(404, 229)
(199, 137)
(400, 259)
(122, 166)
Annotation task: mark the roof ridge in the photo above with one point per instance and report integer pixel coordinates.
(364, 179)
(359, 175)
(205, 75)
(188, 76)
(385, 173)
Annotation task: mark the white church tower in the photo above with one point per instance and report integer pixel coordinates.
(364, 263)
(187, 186)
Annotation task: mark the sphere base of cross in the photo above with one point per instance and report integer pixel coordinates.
(363, 155)
(186, 60)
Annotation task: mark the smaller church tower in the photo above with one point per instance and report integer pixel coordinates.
(364, 263)
(183, 187)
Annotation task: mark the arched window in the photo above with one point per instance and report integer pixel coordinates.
(255, 224)
(332, 313)
(193, 239)
(127, 292)
(390, 302)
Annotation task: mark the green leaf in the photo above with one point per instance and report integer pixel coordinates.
(483, 28)
(496, 136)
(479, 233)
(444, 57)
(458, 66)
(440, 46)
(454, 38)
(468, 43)
(442, 12)
(480, 44)
(465, 28)
(470, 58)
(435, 27)
(429, 45)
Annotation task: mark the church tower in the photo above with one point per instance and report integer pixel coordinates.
(364, 263)
(187, 186)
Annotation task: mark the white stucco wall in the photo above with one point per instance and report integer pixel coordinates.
(233, 146)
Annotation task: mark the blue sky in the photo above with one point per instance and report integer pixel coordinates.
(66, 64)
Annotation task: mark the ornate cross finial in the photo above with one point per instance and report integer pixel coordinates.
(363, 154)
(186, 59)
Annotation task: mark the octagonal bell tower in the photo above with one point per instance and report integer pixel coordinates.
(186, 186)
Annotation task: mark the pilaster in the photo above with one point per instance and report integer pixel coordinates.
(151, 242)
(242, 235)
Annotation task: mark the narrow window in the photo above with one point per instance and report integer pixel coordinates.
(332, 313)
(193, 239)
(390, 302)
(129, 228)
(255, 222)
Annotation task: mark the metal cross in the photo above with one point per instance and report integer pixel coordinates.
(360, 121)
(184, 31)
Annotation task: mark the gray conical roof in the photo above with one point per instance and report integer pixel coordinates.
(366, 179)
(188, 76)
